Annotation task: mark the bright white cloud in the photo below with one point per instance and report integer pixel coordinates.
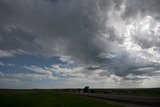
(6, 53)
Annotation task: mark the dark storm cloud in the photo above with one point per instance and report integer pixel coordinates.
(93, 67)
(70, 25)
(14, 38)
(89, 32)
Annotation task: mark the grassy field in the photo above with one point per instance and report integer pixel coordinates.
(46, 98)
(154, 92)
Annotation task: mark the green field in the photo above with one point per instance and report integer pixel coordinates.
(149, 92)
(47, 98)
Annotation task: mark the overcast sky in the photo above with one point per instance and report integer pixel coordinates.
(74, 43)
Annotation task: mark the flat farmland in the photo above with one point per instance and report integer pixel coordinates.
(47, 98)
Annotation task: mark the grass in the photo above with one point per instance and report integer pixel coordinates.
(154, 92)
(47, 98)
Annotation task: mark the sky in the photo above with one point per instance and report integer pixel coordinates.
(78, 43)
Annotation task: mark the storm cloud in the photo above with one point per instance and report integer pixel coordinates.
(107, 38)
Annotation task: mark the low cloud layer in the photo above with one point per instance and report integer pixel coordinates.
(105, 38)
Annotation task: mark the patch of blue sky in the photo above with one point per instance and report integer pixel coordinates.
(68, 65)
(14, 69)
(27, 60)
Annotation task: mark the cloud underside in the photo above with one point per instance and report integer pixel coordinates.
(105, 38)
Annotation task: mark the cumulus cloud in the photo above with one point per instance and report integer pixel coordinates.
(38, 69)
(32, 76)
(107, 37)
(58, 71)
(53, 72)
(20, 76)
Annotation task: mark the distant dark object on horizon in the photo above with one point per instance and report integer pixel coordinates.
(86, 89)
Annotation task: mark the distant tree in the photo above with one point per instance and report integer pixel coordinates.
(86, 89)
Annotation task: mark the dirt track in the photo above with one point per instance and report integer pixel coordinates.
(137, 100)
